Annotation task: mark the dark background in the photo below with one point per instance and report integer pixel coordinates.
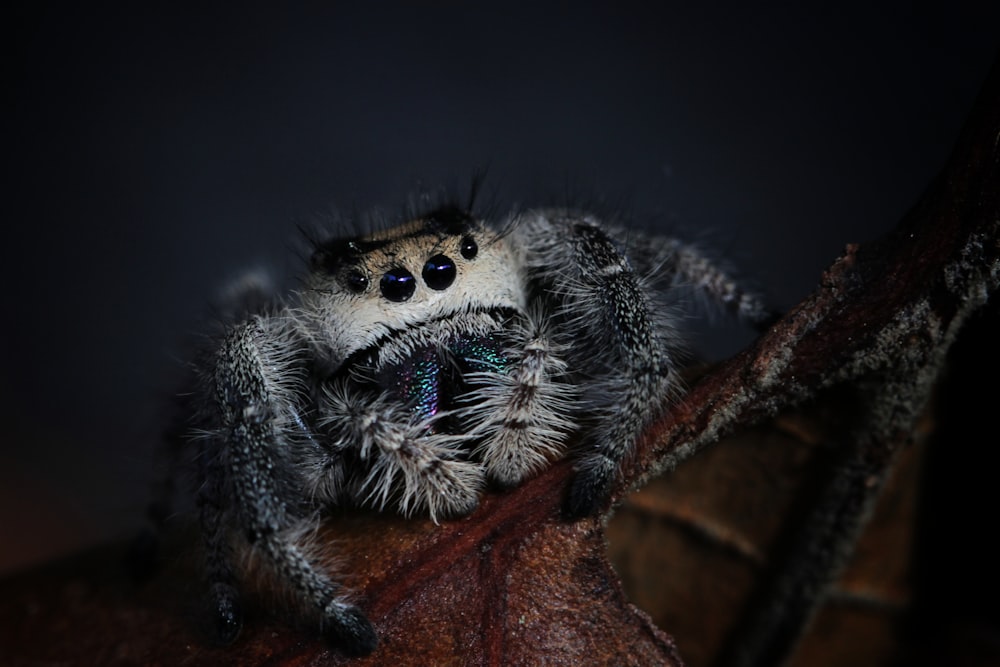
(152, 155)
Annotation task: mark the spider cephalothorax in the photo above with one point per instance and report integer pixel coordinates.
(421, 365)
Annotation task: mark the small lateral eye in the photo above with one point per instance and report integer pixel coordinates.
(398, 284)
(469, 249)
(356, 281)
(439, 272)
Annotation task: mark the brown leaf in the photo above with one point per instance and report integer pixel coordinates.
(704, 536)
(512, 584)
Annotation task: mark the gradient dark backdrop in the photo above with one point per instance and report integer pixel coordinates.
(153, 155)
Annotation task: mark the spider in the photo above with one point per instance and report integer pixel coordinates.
(418, 367)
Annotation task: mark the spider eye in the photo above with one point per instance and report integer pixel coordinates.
(469, 248)
(356, 281)
(398, 284)
(439, 272)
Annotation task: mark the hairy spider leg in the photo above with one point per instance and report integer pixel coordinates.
(522, 420)
(407, 462)
(605, 306)
(253, 425)
(675, 263)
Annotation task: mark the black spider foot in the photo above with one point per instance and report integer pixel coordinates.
(588, 494)
(349, 630)
(228, 613)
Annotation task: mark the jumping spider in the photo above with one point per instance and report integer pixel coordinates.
(418, 366)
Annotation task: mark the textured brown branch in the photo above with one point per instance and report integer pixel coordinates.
(876, 333)
(514, 583)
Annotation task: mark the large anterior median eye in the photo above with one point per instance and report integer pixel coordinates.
(398, 284)
(439, 272)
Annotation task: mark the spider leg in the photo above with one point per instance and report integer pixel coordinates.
(522, 419)
(679, 264)
(218, 554)
(407, 463)
(253, 383)
(610, 324)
